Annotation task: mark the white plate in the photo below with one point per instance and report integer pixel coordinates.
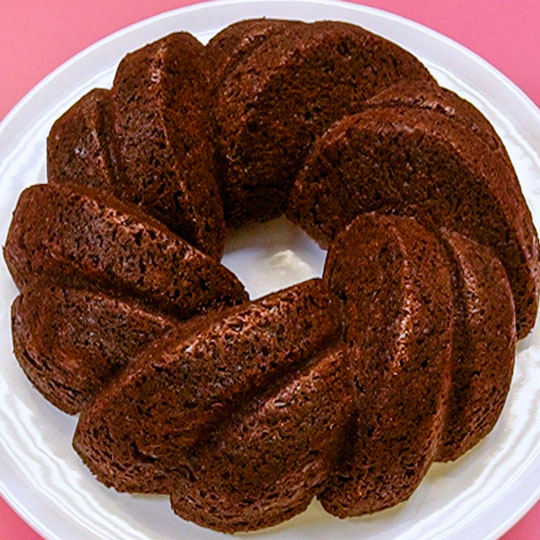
(479, 496)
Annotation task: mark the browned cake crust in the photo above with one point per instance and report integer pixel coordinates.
(394, 279)
(134, 435)
(235, 42)
(270, 459)
(290, 88)
(430, 96)
(345, 388)
(484, 345)
(148, 140)
(72, 234)
(161, 99)
(80, 145)
(71, 342)
(415, 162)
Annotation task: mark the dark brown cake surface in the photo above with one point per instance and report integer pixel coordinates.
(415, 162)
(267, 463)
(148, 140)
(345, 388)
(70, 233)
(395, 282)
(484, 345)
(235, 42)
(161, 98)
(80, 145)
(169, 399)
(274, 103)
(430, 96)
(71, 342)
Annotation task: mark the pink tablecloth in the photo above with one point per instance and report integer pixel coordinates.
(37, 36)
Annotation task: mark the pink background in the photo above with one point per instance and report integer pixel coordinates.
(37, 36)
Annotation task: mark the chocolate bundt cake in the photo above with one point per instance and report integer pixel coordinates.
(71, 342)
(289, 88)
(166, 401)
(147, 141)
(417, 309)
(413, 161)
(344, 388)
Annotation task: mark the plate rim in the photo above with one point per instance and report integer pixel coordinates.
(533, 496)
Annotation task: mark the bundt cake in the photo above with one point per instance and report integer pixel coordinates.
(427, 379)
(411, 160)
(294, 83)
(70, 342)
(344, 388)
(160, 96)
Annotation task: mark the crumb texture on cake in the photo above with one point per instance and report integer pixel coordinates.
(273, 104)
(345, 388)
(414, 162)
(147, 140)
(71, 342)
(399, 311)
(176, 391)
